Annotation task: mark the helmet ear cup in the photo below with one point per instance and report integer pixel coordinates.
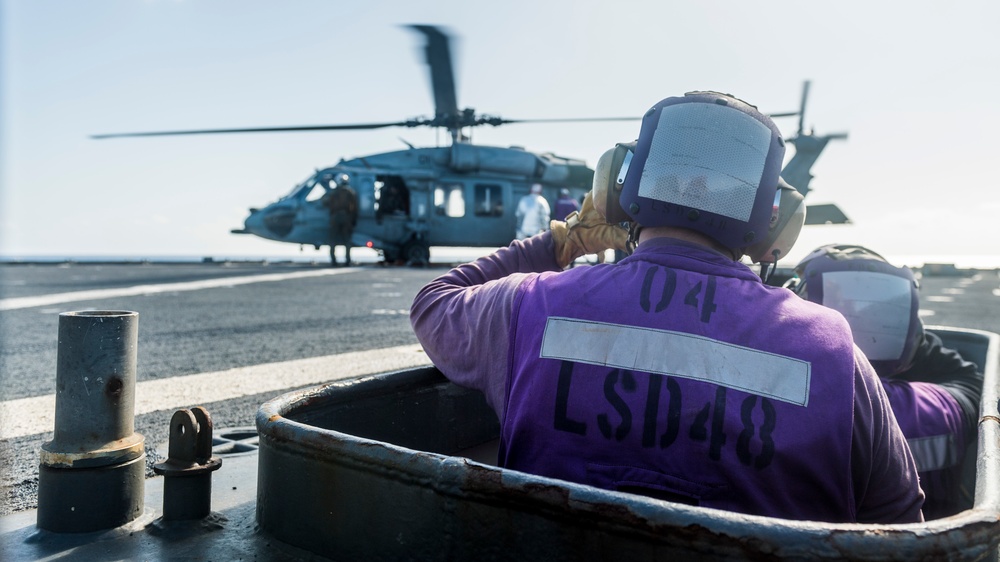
(788, 217)
(609, 178)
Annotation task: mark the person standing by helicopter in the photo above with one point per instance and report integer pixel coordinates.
(565, 204)
(532, 213)
(342, 203)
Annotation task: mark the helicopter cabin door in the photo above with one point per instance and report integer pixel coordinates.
(392, 208)
(471, 213)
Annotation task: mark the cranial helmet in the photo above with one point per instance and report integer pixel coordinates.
(709, 162)
(536, 188)
(879, 301)
(342, 179)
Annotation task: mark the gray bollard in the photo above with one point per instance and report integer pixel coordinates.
(92, 473)
(187, 472)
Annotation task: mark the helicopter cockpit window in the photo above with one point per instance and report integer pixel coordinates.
(449, 200)
(299, 188)
(489, 201)
(317, 191)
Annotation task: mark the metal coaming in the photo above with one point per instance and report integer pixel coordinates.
(522, 516)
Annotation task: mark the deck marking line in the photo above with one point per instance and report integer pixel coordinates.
(34, 415)
(137, 290)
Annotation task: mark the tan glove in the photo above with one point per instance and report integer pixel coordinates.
(585, 232)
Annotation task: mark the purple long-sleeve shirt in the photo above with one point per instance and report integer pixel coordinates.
(817, 442)
(931, 421)
(936, 402)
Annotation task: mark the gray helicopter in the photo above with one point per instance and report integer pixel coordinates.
(459, 195)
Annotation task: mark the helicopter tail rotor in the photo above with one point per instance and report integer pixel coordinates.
(802, 107)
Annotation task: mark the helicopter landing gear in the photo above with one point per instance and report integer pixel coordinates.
(416, 253)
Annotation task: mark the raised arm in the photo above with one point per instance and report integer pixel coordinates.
(462, 318)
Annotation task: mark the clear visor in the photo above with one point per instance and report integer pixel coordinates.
(876, 305)
(706, 156)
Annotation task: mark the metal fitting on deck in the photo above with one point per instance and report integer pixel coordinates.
(187, 472)
(91, 475)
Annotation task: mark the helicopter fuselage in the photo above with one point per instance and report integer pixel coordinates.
(460, 195)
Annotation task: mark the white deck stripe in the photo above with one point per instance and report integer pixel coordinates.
(137, 290)
(680, 355)
(30, 416)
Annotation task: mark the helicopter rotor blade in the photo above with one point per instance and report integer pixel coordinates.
(496, 121)
(357, 126)
(438, 56)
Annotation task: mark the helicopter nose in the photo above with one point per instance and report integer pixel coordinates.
(270, 222)
(254, 222)
(251, 225)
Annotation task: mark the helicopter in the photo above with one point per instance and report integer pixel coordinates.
(458, 195)
(808, 147)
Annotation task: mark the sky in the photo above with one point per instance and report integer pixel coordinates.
(913, 84)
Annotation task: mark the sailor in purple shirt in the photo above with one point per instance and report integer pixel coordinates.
(933, 391)
(676, 373)
(565, 204)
